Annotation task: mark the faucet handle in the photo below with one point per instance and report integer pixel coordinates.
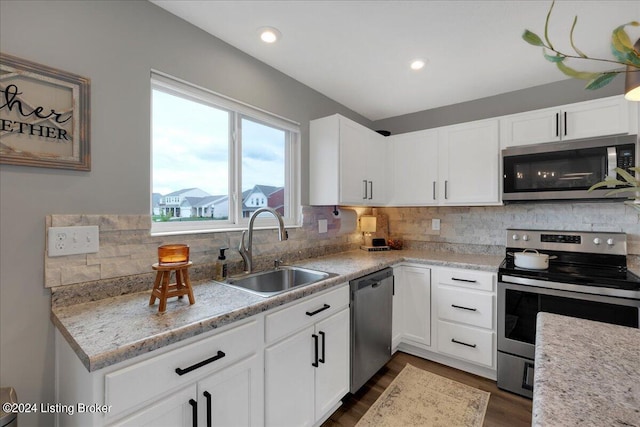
(277, 263)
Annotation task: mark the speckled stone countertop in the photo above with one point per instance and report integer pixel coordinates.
(587, 373)
(115, 329)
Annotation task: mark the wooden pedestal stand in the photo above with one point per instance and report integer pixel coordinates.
(163, 290)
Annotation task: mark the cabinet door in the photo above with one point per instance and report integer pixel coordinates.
(332, 374)
(376, 168)
(414, 168)
(354, 140)
(289, 381)
(173, 411)
(415, 303)
(397, 323)
(470, 155)
(600, 117)
(531, 128)
(232, 396)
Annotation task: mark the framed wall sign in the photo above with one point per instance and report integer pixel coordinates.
(44, 116)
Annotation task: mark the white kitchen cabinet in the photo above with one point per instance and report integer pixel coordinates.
(347, 163)
(307, 371)
(465, 317)
(414, 168)
(160, 388)
(469, 159)
(412, 305)
(600, 117)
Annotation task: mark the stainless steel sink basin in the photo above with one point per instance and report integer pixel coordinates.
(273, 282)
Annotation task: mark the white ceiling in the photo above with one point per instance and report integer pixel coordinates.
(358, 52)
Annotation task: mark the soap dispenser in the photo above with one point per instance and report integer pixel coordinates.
(221, 266)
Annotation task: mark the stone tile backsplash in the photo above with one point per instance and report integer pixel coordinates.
(127, 248)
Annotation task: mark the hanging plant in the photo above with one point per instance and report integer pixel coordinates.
(625, 182)
(621, 47)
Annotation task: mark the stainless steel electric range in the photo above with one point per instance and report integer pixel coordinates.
(587, 278)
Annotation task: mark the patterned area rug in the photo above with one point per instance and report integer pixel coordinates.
(420, 398)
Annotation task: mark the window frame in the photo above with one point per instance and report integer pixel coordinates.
(237, 110)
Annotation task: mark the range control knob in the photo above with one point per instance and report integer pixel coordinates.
(515, 237)
(610, 242)
(525, 237)
(597, 241)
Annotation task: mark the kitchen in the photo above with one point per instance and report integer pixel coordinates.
(116, 44)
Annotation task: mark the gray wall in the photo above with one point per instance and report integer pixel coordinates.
(115, 44)
(550, 95)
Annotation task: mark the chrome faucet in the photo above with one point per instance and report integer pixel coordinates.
(246, 251)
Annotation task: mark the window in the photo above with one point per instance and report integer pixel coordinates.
(215, 161)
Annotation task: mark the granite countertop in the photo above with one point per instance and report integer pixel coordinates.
(115, 329)
(587, 373)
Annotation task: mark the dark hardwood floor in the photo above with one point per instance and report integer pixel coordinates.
(505, 409)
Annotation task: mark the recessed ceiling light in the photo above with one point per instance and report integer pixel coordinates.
(269, 34)
(417, 64)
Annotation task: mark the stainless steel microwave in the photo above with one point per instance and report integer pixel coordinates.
(565, 170)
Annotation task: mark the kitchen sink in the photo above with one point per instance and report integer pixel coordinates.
(273, 282)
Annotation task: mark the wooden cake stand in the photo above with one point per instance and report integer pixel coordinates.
(163, 290)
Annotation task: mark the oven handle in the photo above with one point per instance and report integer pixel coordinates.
(570, 290)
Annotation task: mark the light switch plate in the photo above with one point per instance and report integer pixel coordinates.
(435, 224)
(322, 226)
(73, 240)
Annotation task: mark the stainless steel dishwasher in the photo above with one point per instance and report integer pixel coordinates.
(371, 309)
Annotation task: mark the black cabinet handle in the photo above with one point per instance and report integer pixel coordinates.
(565, 123)
(446, 185)
(434, 190)
(463, 308)
(365, 189)
(321, 360)
(370, 190)
(218, 356)
(313, 313)
(462, 343)
(208, 396)
(557, 124)
(194, 411)
(464, 280)
(315, 346)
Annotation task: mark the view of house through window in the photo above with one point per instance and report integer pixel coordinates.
(213, 165)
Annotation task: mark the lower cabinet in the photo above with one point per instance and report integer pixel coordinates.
(227, 398)
(307, 372)
(412, 305)
(451, 321)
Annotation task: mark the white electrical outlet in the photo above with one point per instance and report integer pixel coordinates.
(435, 224)
(73, 240)
(322, 226)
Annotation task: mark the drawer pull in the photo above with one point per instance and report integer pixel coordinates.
(218, 356)
(208, 396)
(313, 313)
(463, 308)
(194, 412)
(462, 343)
(464, 280)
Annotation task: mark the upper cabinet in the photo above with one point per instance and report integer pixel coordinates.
(347, 163)
(599, 117)
(413, 176)
(469, 160)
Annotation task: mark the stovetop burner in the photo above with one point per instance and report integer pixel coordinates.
(580, 258)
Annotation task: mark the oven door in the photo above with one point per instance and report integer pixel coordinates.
(518, 306)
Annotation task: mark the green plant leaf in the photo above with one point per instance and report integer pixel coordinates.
(621, 39)
(532, 38)
(628, 177)
(600, 81)
(622, 190)
(609, 182)
(553, 58)
(583, 75)
(578, 51)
